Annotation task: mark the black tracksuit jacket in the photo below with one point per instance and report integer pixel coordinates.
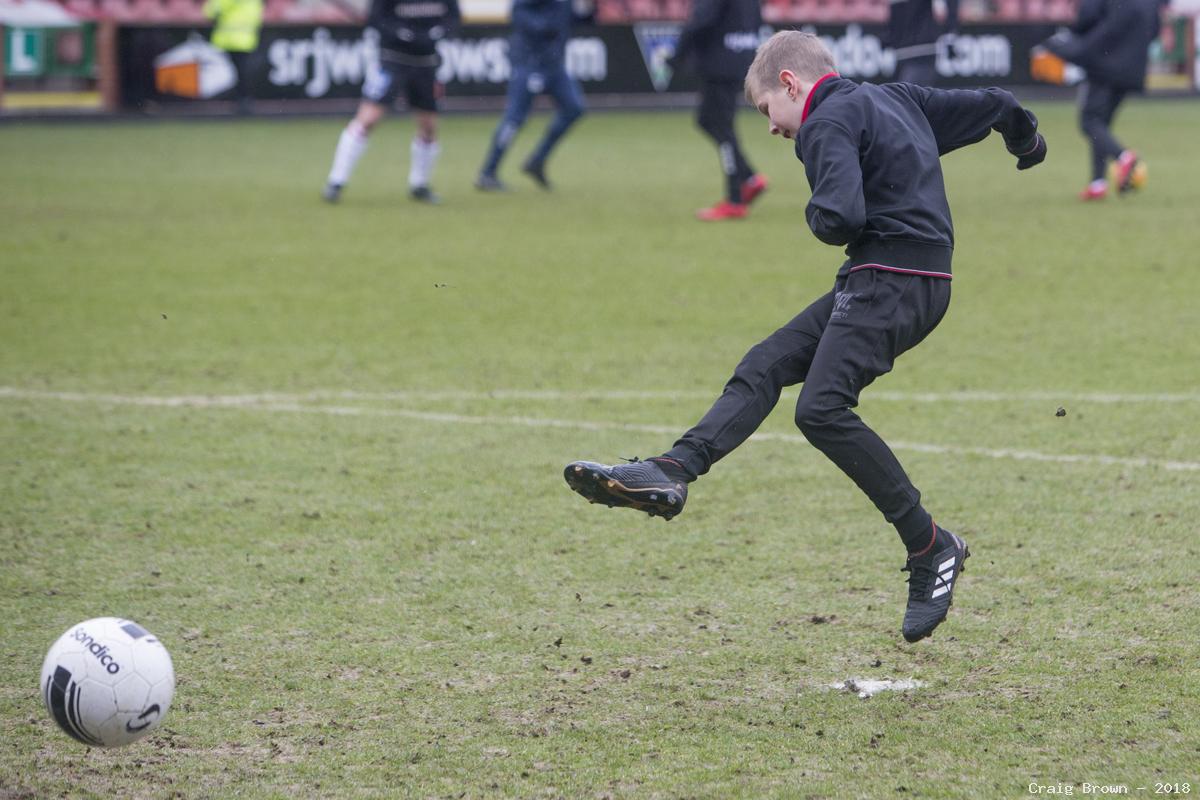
(721, 35)
(412, 27)
(1110, 40)
(913, 30)
(872, 154)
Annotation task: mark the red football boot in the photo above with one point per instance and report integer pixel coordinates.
(752, 187)
(1127, 164)
(722, 210)
(1096, 190)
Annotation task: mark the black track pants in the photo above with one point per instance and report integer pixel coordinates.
(1097, 107)
(718, 105)
(836, 347)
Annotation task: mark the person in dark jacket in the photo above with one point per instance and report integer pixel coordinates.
(408, 31)
(912, 32)
(720, 37)
(871, 155)
(538, 52)
(1110, 40)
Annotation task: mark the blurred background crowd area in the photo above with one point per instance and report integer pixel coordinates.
(607, 11)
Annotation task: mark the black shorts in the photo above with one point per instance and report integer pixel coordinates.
(384, 83)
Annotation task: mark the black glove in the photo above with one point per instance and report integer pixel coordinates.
(1030, 152)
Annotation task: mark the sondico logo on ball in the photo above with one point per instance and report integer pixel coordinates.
(98, 650)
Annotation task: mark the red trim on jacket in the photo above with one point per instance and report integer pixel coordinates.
(808, 100)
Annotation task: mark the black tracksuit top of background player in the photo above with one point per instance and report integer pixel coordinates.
(721, 36)
(911, 23)
(871, 154)
(1110, 40)
(412, 27)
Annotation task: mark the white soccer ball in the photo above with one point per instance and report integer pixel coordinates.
(107, 682)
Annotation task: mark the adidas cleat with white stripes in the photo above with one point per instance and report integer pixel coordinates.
(640, 484)
(931, 582)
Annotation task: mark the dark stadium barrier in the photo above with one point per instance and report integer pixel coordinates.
(313, 66)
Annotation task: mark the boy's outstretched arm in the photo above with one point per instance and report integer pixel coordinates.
(837, 212)
(960, 117)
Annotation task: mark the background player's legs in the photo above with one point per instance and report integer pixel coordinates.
(424, 153)
(423, 92)
(351, 145)
(718, 105)
(241, 90)
(876, 317)
(568, 98)
(782, 359)
(1097, 107)
(516, 110)
(378, 88)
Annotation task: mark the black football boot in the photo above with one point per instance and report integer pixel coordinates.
(639, 484)
(931, 583)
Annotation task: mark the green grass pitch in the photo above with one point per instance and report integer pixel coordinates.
(318, 451)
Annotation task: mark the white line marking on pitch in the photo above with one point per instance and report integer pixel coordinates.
(702, 394)
(280, 403)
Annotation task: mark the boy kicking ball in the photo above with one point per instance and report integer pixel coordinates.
(871, 154)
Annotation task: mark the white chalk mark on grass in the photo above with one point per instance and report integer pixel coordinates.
(550, 395)
(273, 402)
(865, 687)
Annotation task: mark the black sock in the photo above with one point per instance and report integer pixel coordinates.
(916, 529)
(675, 470)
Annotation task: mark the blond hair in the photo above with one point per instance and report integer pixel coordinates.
(802, 53)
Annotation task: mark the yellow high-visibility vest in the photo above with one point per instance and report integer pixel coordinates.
(237, 24)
